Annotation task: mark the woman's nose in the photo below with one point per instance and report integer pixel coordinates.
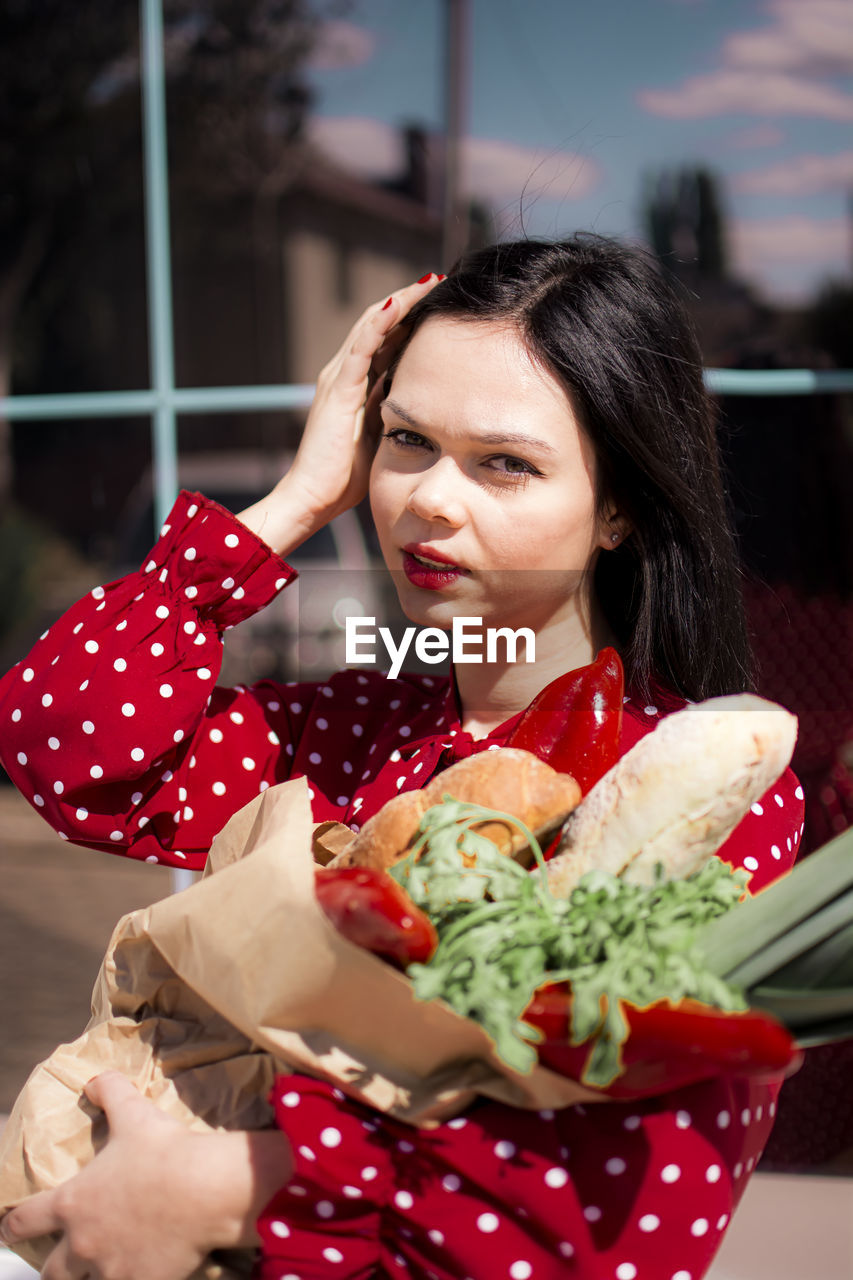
(435, 496)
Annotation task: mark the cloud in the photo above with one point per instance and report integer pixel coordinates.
(814, 37)
(789, 238)
(802, 175)
(743, 92)
(492, 170)
(339, 45)
(785, 68)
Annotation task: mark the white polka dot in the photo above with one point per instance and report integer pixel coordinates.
(22, 757)
(592, 1213)
(352, 1193)
(238, 593)
(750, 863)
(59, 787)
(723, 1120)
(722, 1220)
(450, 1182)
(227, 583)
(713, 1173)
(358, 730)
(157, 649)
(615, 1166)
(137, 754)
(96, 771)
(247, 763)
(296, 707)
(47, 699)
(521, 1270)
(84, 686)
(191, 593)
(204, 673)
(273, 738)
(556, 1177)
(369, 1173)
(436, 1236)
(190, 553)
(504, 1150)
(775, 852)
(347, 767)
(81, 815)
(331, 1137)
(670, 1173)
(38, 800)
(218, 788)
(29, 673)
(649, 1222)
(307, 1153)
(626, 1271)
(631, 1122)
(315, 758)
(273, 706)
(333, 1255)
(566, 1249)
(779, 800)
(650, 711)
(405, 731)
(326, 691)
(236, 717)
(128, 709)
(487, 1223)
(745, 1116)
(699, 1227)
(361, 700)
(280, 1229)
(279, 583)
(799, 793)
(418, 767)
(166, 691)
(738, 1169)
(291, 1099)
(161, 611)
(16, 714)
(324, 1209)
(321, 723)
(404, 1200)
(136, 798)
(759, 1111)
(216, 735)
(116, 835)
(459, 1122)
(683, 1119)
(757, 809)
(682, 1275)
(91, 646)
(400, 782)
(231, 540)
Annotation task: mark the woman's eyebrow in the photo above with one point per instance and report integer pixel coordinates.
(502, 437)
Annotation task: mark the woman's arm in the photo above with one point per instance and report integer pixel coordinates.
(157, 1198)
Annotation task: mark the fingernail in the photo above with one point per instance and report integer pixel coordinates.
(442, 277)
(387, 304)
(429, 275)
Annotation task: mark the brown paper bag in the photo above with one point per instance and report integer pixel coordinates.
(204, 996)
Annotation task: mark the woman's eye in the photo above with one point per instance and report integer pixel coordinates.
(404, 438)
(510, 466)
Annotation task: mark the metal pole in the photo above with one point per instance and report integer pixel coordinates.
(158, 258)
(457, 27)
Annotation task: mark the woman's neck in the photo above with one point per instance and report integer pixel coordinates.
(490, 693)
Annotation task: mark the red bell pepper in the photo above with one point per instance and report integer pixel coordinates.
(574, 723)
(669, 1045)
(373, 911)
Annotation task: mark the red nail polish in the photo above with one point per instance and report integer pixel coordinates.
(387, 304)
(429, 275)
(442, 277)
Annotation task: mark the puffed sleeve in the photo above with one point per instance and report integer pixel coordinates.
(113, 720)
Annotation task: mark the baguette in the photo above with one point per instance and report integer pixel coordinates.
(508, 779)
(678, 793)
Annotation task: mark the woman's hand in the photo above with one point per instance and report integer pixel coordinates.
(156, 1199)
(330, 472)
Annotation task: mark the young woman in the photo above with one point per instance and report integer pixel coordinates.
(539, 452)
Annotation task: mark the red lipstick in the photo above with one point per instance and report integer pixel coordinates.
(430, 569)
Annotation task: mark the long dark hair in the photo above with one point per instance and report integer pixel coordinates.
(600, 317)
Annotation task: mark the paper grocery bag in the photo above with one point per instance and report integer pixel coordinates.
(204, 996)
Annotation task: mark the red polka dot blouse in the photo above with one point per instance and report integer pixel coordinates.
(114, 728)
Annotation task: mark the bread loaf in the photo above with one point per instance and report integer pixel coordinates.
(508, 779)
(678, 793)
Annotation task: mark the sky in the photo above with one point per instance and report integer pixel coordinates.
(571, 104)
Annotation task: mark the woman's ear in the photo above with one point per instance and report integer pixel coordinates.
(615, 528)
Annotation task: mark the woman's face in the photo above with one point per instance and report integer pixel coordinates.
(484, 469)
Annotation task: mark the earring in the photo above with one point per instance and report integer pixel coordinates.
(614, 538)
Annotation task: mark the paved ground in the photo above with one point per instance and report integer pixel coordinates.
(58, 906)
